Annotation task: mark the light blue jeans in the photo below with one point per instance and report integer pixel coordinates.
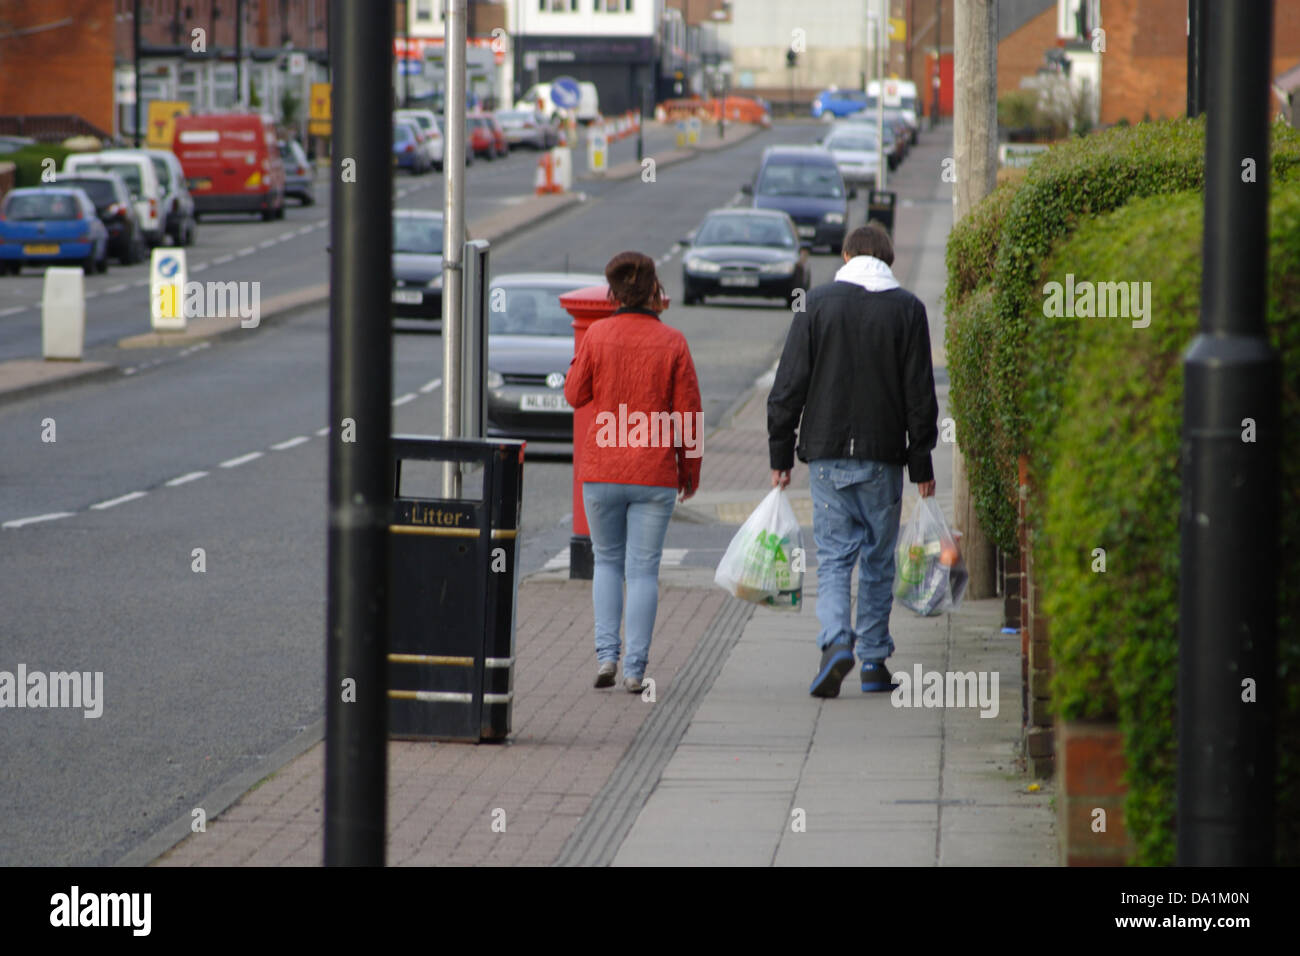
(628, 525)
(856, 508)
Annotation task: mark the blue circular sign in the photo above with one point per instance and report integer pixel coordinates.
(565, 93)
(167, 266)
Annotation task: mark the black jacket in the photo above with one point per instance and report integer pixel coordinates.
(857, 367)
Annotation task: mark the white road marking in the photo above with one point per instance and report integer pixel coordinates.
(304, 230)
(241, 460)
(247, 251)
(286, 237)
(408, 397)
(223, 260)
(267, 243)
(198, 267)
(291, 443)
(428, 387)
(139, 283)
(114, 502)
(561, 560)
(672, 557)
(114, 289)
(52, 516)
(323, 431)
(23, 308)
(129, 371)
(186, 479)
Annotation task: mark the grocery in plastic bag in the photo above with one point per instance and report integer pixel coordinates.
(929, 572)
(764, 562)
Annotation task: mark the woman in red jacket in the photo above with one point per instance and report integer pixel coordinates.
(642, 449)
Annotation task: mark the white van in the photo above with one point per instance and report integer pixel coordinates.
(538, 97)
(137, 170)
(899, 95)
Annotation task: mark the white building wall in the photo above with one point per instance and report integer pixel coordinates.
(836, 33)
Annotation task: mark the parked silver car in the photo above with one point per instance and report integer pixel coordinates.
(528, 127)
(299, 173)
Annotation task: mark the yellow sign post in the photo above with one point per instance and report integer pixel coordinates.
(318, 117)
(162, 122)
(897, 29)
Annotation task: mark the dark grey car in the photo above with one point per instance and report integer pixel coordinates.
(745, 252)
(530, 346)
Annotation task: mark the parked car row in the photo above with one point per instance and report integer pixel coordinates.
(219, 163)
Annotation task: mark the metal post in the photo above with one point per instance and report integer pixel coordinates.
(239, 53)
(453, 240)
(404, 63)
(640, 141)
(135, 52)
(882, 169)
(938, 63)
(1230, 499)
(360, 486)
(1196, 39)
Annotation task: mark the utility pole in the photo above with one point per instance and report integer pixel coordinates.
(360, 409)
(1196, 43)
(938, 63)
(1229, 560)
(239, 53)
(135, 52)
(453, 238)
(975, 147)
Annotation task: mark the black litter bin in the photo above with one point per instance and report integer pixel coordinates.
(454, 581)
(880, 207)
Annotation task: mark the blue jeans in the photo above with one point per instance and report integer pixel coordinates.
(628, 525)
(856, 509)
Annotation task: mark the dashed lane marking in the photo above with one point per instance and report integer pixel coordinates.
(323, 431)
(22, 308)
(291, 443)
(241, 460)
(246, 251)
(428, 387)
(120, 500)
(114, 289)
(267, 243)
(223, 260)
(408, 397)
(186, 479)
(52, 516)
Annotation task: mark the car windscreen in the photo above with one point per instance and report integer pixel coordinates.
(100, 191)
(162, 171)
(856, 141)
(129, 172)
(421, 121)
(745, 231)
(29, 207)
(513, 118)
(820, 181)
(528, 310)
(402, 133)
(418, 234)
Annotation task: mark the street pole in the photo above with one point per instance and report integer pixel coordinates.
(135, 47)
(1230, 501)
(640, 141)
(975, 147)
(1196, 39)
(453, 240)
(882, 168)
(938, 63)
(404, 63)
(360, 469)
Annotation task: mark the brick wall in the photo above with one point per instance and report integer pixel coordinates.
(1021, 53)
(1092, 764)
(1144, 68)
(65, 69)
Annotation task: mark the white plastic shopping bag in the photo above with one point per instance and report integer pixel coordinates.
(764, 562)
(929, 573)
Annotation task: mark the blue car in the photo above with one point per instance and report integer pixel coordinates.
(833, 104)
(804, 183)
(51, 224)
(407, 152)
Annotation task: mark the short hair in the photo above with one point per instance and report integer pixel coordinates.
(632, 280)
(870, 240)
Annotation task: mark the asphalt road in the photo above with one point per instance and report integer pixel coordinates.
(219, 449)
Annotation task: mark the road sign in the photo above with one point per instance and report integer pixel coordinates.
(297, 63)
(1019, 155)
(565, 93)
(319, 110)
(897, 29)
(162, 122)
(167, 289)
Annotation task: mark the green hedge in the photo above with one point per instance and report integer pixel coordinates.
(1004, 242)
(28, 161)
(1112, 435)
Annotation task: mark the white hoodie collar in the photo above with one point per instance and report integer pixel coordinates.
(868, 272)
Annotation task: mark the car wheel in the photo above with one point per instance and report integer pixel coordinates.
(190, 237)
(103, 261)
(268, 215)
(307, 199)
(88, 265)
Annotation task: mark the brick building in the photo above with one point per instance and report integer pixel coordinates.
(56, 58)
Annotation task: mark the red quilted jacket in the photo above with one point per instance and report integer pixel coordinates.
(647, 420)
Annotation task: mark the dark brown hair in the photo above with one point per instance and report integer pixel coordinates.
(632, 281)
(870, 240)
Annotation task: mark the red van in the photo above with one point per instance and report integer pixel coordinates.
(232, 163)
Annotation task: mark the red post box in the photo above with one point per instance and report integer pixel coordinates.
(586, 306)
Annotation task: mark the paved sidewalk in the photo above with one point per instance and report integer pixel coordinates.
(732, 762)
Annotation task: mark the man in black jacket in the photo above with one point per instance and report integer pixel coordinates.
(857, 368)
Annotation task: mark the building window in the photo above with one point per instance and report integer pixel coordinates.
(557, 6)
(423, 11)
(613, 6)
